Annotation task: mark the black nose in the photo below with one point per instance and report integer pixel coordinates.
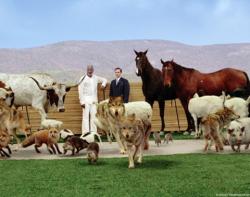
(127, 136)
(61, 110)
(116, 113)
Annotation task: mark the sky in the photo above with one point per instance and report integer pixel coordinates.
(31, 23)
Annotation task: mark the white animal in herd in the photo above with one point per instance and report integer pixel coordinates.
(37, 90)
(202, 106)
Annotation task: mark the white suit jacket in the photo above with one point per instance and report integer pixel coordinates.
(87, 89)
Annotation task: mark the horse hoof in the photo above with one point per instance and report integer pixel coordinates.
(186, 133)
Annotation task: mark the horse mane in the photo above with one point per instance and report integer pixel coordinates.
(179, 67)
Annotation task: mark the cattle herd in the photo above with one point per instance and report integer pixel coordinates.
(223, 120)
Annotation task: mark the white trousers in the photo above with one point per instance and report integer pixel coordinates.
(88, 117)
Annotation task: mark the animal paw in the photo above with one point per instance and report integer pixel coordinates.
(131, 166)
(122, 152)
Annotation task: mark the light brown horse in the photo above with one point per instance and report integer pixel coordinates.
(188, 81)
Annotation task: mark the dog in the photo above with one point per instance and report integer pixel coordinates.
(4, 143)
(157, 138)
(93, 152)
(133, 132)
(168, 137)
(74, 142)
(117, 110)
(213, 124)
(46, 136)
(13, 121)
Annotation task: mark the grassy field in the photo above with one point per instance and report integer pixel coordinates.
(176, 175)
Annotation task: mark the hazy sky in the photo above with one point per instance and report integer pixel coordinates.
(28, 23)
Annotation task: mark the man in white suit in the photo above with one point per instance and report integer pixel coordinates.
(87, 90)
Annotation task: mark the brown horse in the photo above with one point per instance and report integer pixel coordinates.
(152, 83)
(188, 81)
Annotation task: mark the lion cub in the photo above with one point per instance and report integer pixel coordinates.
(47, 136)
(133, 134)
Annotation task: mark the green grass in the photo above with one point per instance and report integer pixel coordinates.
(177, 175)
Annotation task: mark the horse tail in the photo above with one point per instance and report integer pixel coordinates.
(247, 78)
(247, 86)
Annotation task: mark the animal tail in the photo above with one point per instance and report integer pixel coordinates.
(99, 137)
(28, 141)
(248, 82)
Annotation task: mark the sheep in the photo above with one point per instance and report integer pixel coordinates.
(203, 106)
(50, 123)
(239, 105)
(239, 133)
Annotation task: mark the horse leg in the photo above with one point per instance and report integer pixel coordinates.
(151, 102)
(188, 115)
(162, 109)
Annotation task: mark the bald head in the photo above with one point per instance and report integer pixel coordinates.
(90, 70)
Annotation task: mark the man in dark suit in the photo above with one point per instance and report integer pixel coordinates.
(120, 86)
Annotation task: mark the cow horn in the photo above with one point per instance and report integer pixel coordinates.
(40, 87)
(72, 86)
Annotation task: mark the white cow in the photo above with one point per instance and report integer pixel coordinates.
(37, 90)
(238, 105)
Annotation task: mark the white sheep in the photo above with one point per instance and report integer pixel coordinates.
(239, 133)
(203, 106)
(50, 123)
(238, 105)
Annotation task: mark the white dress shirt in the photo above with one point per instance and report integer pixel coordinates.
(87, 89)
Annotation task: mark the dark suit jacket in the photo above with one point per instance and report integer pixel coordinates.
(121, 89)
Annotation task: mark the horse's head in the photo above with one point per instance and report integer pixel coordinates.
(141, 60)
(167, 72)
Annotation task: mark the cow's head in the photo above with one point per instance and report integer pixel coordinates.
(7, 95)
(56, 93)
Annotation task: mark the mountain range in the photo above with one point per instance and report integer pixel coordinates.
(67, 61)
